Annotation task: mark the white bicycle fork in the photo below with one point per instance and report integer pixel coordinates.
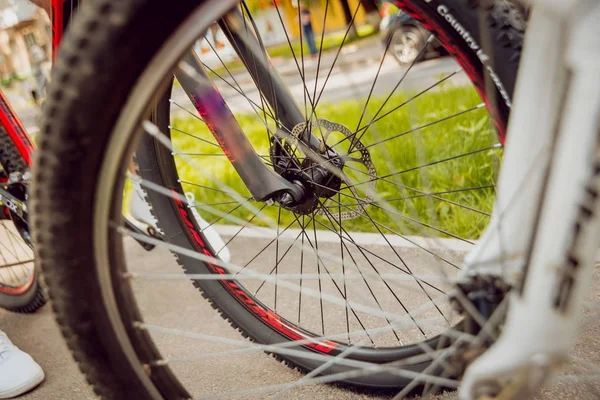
(532, 240)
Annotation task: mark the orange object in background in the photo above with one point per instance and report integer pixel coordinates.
(386, 9)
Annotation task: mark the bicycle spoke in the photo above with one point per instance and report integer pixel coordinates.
(186, 110)
(389, 96)
(276, 238)
(316, 250)
(317, 371)
(387, 46)
(16, 263)
(410, 273)
(194, 136)
(11, 252)
(16, 260)
(239, 91)
(320, 55)
(302, 228)
(368, 286)
(298, 67)
(403, 216)
(427, 125)
(203, 186)
(340, 377)
(305, 276)
(344, 271)
(302, 72)
(278, 260)
(436, 195)
(362, 366)
(377, 118)
(247, 348)
(264, 103)
(221, 215)
(232, 238)
(337, 54)
(421, 194)
(427, 165)
(262, 46)
(407, 239)
(230, 266)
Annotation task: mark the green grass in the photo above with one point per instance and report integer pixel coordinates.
(450, 138)
(7, 81)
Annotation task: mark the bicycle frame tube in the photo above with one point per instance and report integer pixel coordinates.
(62, 12)
(240, 34)
(14, 128)
(57, 24)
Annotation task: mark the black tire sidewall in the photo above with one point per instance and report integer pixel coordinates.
(157, 165)
(29, 301)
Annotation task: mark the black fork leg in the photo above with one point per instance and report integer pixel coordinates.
(262, 182)
(240, 34)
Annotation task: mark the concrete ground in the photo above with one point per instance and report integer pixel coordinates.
(351, 80)
(38, 335)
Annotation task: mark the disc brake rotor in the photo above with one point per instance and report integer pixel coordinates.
(325, 128)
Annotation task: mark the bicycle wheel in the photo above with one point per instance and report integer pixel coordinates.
(20, 290)
(380, 311)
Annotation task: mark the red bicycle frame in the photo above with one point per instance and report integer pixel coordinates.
(14, 128)
(61, 14)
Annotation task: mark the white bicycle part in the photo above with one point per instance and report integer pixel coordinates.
(209, 231)
(539, 203)
(140, 210)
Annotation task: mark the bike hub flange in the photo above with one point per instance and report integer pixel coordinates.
(320, 173)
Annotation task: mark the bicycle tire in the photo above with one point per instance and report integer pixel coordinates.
(157, 165)
(117, 368)
(29, 296)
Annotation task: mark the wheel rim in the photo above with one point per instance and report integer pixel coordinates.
(16, 261)
(202, 154)
(121, 148)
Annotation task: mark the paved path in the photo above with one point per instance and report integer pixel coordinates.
(350, 81)
(177, 304)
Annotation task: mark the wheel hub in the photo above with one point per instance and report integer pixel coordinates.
(321, 173)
